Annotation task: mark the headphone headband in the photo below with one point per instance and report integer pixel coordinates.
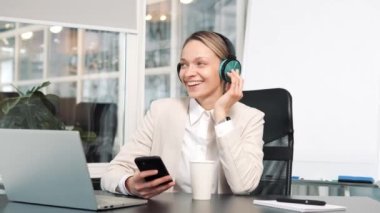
(229, 45)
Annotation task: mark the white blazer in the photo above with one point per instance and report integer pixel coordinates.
(162, 132)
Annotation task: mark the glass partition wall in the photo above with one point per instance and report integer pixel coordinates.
(83, 68)
(87, 68)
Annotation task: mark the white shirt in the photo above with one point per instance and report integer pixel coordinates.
(199, 143)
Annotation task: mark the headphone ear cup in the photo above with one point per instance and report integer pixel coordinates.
(178, 70)
(226, 66)
(222, 67)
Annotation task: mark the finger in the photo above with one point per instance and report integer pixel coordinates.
(148, 173)
(235, 82)
(240, 83)
(238, 86)
(227, 86)
(159, 189)
(153, 191)
(146, 194)
(148, 186)
(160, 181)
(139, 177)
(144, 190)
(149, 195)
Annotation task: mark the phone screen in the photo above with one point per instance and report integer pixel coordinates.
(152, 163)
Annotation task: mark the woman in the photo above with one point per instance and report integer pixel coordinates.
(209, 124)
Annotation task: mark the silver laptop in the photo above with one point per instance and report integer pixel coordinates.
(49, 167)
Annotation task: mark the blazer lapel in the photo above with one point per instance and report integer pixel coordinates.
(176, 123)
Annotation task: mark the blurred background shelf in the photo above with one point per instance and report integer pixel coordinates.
(334, 188)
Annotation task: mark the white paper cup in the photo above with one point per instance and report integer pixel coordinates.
(202, 178)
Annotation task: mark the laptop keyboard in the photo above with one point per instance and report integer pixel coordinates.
(103, 200)
(111, 201)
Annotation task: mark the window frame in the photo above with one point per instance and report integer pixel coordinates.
(130, 98)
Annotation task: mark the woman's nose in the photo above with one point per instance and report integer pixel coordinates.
(191, 70)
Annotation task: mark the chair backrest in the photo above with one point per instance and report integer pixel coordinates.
(66, 110)
(278, 138)
(99, 119)
(4, 95)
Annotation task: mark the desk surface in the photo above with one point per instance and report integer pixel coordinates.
(175, 202)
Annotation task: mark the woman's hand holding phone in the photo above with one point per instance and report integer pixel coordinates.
(137, 185)
(151, 180)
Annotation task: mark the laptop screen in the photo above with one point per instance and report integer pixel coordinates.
(45, 167)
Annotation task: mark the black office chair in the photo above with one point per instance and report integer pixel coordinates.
(4, 95)
(278, 139)
(97, 123)
(66, 110)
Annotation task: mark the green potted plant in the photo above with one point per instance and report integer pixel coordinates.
(30, 110)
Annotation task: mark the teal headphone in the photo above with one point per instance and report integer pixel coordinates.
(228, 64)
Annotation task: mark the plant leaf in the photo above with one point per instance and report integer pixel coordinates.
(18, 90)
(30, 91)
(32, 110)
(44, 84)
(9, 104)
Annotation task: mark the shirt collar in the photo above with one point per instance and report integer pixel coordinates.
(196, 111)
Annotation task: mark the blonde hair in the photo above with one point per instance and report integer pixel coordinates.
(212, 40)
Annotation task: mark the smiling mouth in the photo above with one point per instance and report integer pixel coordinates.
(193, 83)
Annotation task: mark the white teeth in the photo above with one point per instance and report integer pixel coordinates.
(192, 83)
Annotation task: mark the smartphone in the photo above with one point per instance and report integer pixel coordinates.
(152, 163)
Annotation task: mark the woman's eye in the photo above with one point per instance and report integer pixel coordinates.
(201, 64)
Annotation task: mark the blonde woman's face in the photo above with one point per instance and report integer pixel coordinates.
(199, 72)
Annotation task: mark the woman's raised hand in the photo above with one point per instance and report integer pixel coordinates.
(233, 93)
